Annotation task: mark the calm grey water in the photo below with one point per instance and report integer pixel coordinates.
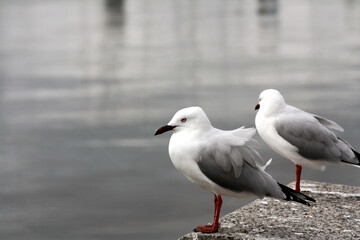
(84, 85)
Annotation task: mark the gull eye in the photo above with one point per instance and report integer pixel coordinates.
(183, 120)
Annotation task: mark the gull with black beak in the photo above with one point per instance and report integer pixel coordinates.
(222, 162)
(304, 138)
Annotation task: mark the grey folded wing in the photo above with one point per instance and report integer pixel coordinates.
(235, 169)
(328, 123)
(313, 140)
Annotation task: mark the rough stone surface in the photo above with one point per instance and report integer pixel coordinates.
(335, 215)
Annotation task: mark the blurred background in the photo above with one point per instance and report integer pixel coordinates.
(85, 84)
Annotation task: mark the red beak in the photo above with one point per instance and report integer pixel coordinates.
(164, 129)
(257, 106)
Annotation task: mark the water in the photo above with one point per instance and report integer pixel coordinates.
(84, 85)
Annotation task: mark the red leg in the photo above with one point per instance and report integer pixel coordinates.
(298, 175)
(215, 225)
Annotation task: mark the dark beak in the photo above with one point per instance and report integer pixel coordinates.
(257, 106)
(164, 129)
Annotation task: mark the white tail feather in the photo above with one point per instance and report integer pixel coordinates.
(266, 164)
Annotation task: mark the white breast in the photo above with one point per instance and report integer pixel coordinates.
(183, 155)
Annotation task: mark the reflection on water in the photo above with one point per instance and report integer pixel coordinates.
(268, 7)
(115, 14)
(84, 84)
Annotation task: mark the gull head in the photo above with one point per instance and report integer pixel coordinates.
(270, 100)
(191, 118)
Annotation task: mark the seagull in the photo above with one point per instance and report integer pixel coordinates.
(304, 138)
(222, 162)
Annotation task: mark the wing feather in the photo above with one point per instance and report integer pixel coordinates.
(237, 167)
(328, 123)
(312, 137)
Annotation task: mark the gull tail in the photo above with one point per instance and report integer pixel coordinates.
(356, 160)
(292, 195)
(357, 155)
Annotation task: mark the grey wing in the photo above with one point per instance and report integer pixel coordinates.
(313, 140)
(233, 169)
(328, 123)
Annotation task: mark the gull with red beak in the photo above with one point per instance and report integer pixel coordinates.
(222, 162)
(304, 138)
